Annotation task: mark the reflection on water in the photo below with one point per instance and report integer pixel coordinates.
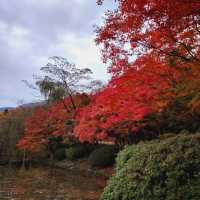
(45, 184)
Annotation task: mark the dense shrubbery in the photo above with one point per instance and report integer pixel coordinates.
(103, 156)
(60, 154)
(76, 152)
(160, 170)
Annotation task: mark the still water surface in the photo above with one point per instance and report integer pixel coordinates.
(45, 184)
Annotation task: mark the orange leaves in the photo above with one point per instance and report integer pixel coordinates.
(49, 122)
(141, 27)
(137, 93)
(152, 47)
(35, 129)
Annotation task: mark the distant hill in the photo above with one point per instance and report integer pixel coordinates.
(33, 105)
(27, 105)
(5, 108)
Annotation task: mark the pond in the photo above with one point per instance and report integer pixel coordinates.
(49, 184)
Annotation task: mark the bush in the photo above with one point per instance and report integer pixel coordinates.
(159, 170)
(60, 154)
(103, 156)
(184, 131)
(76, 152)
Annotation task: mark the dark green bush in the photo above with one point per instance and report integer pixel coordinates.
(184, 131)
(159, 170)
(59, 154)
(76, 152)
(103, 156)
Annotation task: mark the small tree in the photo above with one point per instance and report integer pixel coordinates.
(49, 127)
(12, 128)
(62, 79)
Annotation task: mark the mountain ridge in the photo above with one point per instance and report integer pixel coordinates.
(26, 105)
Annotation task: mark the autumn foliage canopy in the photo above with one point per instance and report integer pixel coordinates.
(152, 48)
(47, 123)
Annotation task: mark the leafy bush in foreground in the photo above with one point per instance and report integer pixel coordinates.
(160, 170)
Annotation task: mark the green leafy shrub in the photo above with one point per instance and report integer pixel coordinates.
(76, 152)
(103, 156)
(159, 170)
(184, 131)
(60, 154)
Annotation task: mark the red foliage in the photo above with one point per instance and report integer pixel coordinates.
(151, 45)
(130, 97)
(36, 130)
(156, 27)
(48, 122)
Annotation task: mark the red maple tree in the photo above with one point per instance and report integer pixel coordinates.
(157, 27)
(152, 46)
(50, 122)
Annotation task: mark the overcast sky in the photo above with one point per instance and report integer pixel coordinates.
(33, 30)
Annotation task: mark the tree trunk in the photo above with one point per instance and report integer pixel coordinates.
(24, 159)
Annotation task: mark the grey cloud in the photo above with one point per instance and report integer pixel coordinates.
(50, 17)
(29, 31)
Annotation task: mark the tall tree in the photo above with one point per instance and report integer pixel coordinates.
(140, 27)
(12, 129)
(47, 125)
(152, 47)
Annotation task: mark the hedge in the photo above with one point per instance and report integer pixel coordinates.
(159, 170)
